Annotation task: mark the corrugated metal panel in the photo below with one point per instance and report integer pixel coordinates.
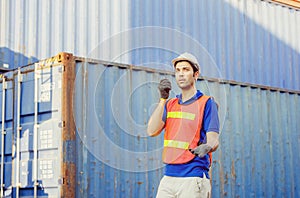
(116, 158)
(249, 41)
(113, 157)
(256, 159)
(258, 141)
(32, 30)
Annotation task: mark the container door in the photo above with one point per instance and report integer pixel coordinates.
(39, 131)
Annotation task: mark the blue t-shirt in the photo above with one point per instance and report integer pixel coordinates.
(197, 166)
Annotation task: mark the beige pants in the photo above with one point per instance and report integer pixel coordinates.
(183, 187)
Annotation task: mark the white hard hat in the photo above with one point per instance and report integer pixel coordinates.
(187, 57)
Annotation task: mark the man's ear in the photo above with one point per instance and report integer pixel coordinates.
(196, 75)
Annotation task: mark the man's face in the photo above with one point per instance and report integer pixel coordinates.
(185, 76)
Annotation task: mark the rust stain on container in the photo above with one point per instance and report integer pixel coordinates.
(233, 175)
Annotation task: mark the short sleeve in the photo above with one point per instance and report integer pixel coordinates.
(211, 117)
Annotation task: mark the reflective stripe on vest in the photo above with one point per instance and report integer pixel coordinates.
(183, 115)
(182, 130)
(176, 144)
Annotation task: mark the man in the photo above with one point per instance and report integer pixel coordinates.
(191, 126)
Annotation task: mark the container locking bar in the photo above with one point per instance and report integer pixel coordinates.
(19, 129)
(35, 130)
(4, 88)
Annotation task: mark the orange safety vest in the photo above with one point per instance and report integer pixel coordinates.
(182, 130)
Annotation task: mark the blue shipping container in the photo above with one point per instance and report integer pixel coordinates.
(253, 41)
(35, 137)
(76, 127)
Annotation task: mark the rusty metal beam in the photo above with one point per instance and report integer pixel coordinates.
(288, 3)
(68, 126)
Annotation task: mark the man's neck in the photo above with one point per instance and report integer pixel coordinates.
(187, 94)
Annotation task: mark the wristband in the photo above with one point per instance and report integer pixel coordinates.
(162, 99)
